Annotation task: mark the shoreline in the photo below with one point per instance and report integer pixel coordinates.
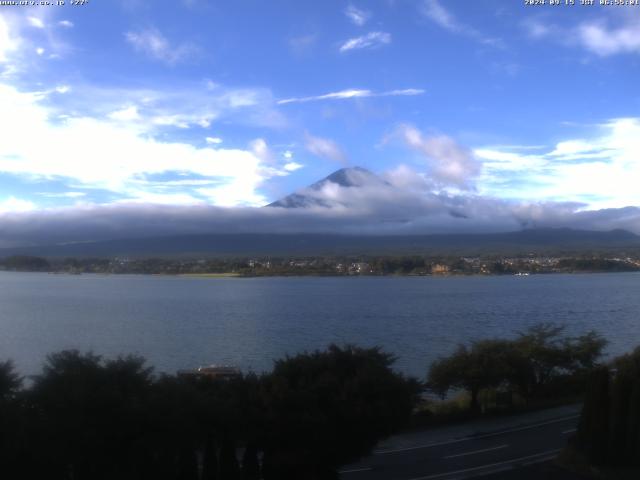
(323, 275)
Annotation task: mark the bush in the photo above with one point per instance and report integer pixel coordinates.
(609, 430)
(89, 418)
(539, 363)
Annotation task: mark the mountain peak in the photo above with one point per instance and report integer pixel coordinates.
(311, 196)
(349, 177)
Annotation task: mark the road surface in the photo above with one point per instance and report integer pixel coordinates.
(474, 449)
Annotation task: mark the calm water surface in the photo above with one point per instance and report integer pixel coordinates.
(178, 322)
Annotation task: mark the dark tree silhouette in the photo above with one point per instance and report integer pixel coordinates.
(609, 429)
(250, 463)
(12, 434)
(10, 381)
(91, 416)
(485, 364)
(25, 263)
(87, 418)
(328, 408)
(528, 364)
(593, 429)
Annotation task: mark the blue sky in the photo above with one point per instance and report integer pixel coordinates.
(235, 104)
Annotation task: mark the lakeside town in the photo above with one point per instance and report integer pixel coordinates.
(330, 266)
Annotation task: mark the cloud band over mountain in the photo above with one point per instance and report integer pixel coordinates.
(370, 206)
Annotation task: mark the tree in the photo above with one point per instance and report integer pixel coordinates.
(625, 410)
(24, 263)
(593, 429)
(10, 381)
(632, 450)
(620, 396)
(325, 409)
(11, 421)
(584, 351)
(250, 464)
(178, 429)
(485, 364)
(91, 416)
(541, 344)
(609, 429)
(528, 364)
(544, 355)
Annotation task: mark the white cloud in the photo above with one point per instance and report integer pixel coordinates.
(213, 140)
(606, 36)
(600, 171)
(504, 160)
(440, 15)
(353, 93)
(13, 205)
(100, 154)
(571, 149)
(241, 192)
(449, 163)
(8, 40)
(403, 92)
(407, 179)
(63, 194)
(155, 45)
(292, 166)
(370, 40)
(35, 22)
(604, 40)
(358, 16)
(537, 29)
(181, 106)
(126, 114)
(434, 11)
(170, 121)
(261, 150)
(66, 23)
(144, 197)
(20, 45)
(374, 207)
(325, 148)
(63, 89)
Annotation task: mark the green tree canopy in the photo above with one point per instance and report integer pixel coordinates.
(527, 363)
(328, 408)
(90, 415)
(484, 364)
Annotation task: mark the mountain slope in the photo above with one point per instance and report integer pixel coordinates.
(348, 189)
(248, 244)
(315, 195)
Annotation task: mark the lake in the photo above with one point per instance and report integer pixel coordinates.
(181, 322)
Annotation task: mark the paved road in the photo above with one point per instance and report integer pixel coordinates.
(487, 447)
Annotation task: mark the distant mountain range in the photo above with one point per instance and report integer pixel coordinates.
(549, 240)
(522, 242)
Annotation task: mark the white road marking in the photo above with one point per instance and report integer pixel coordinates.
(476, 451)
(466, 439)
(540, 457)
(354, 470)
(571, 430)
